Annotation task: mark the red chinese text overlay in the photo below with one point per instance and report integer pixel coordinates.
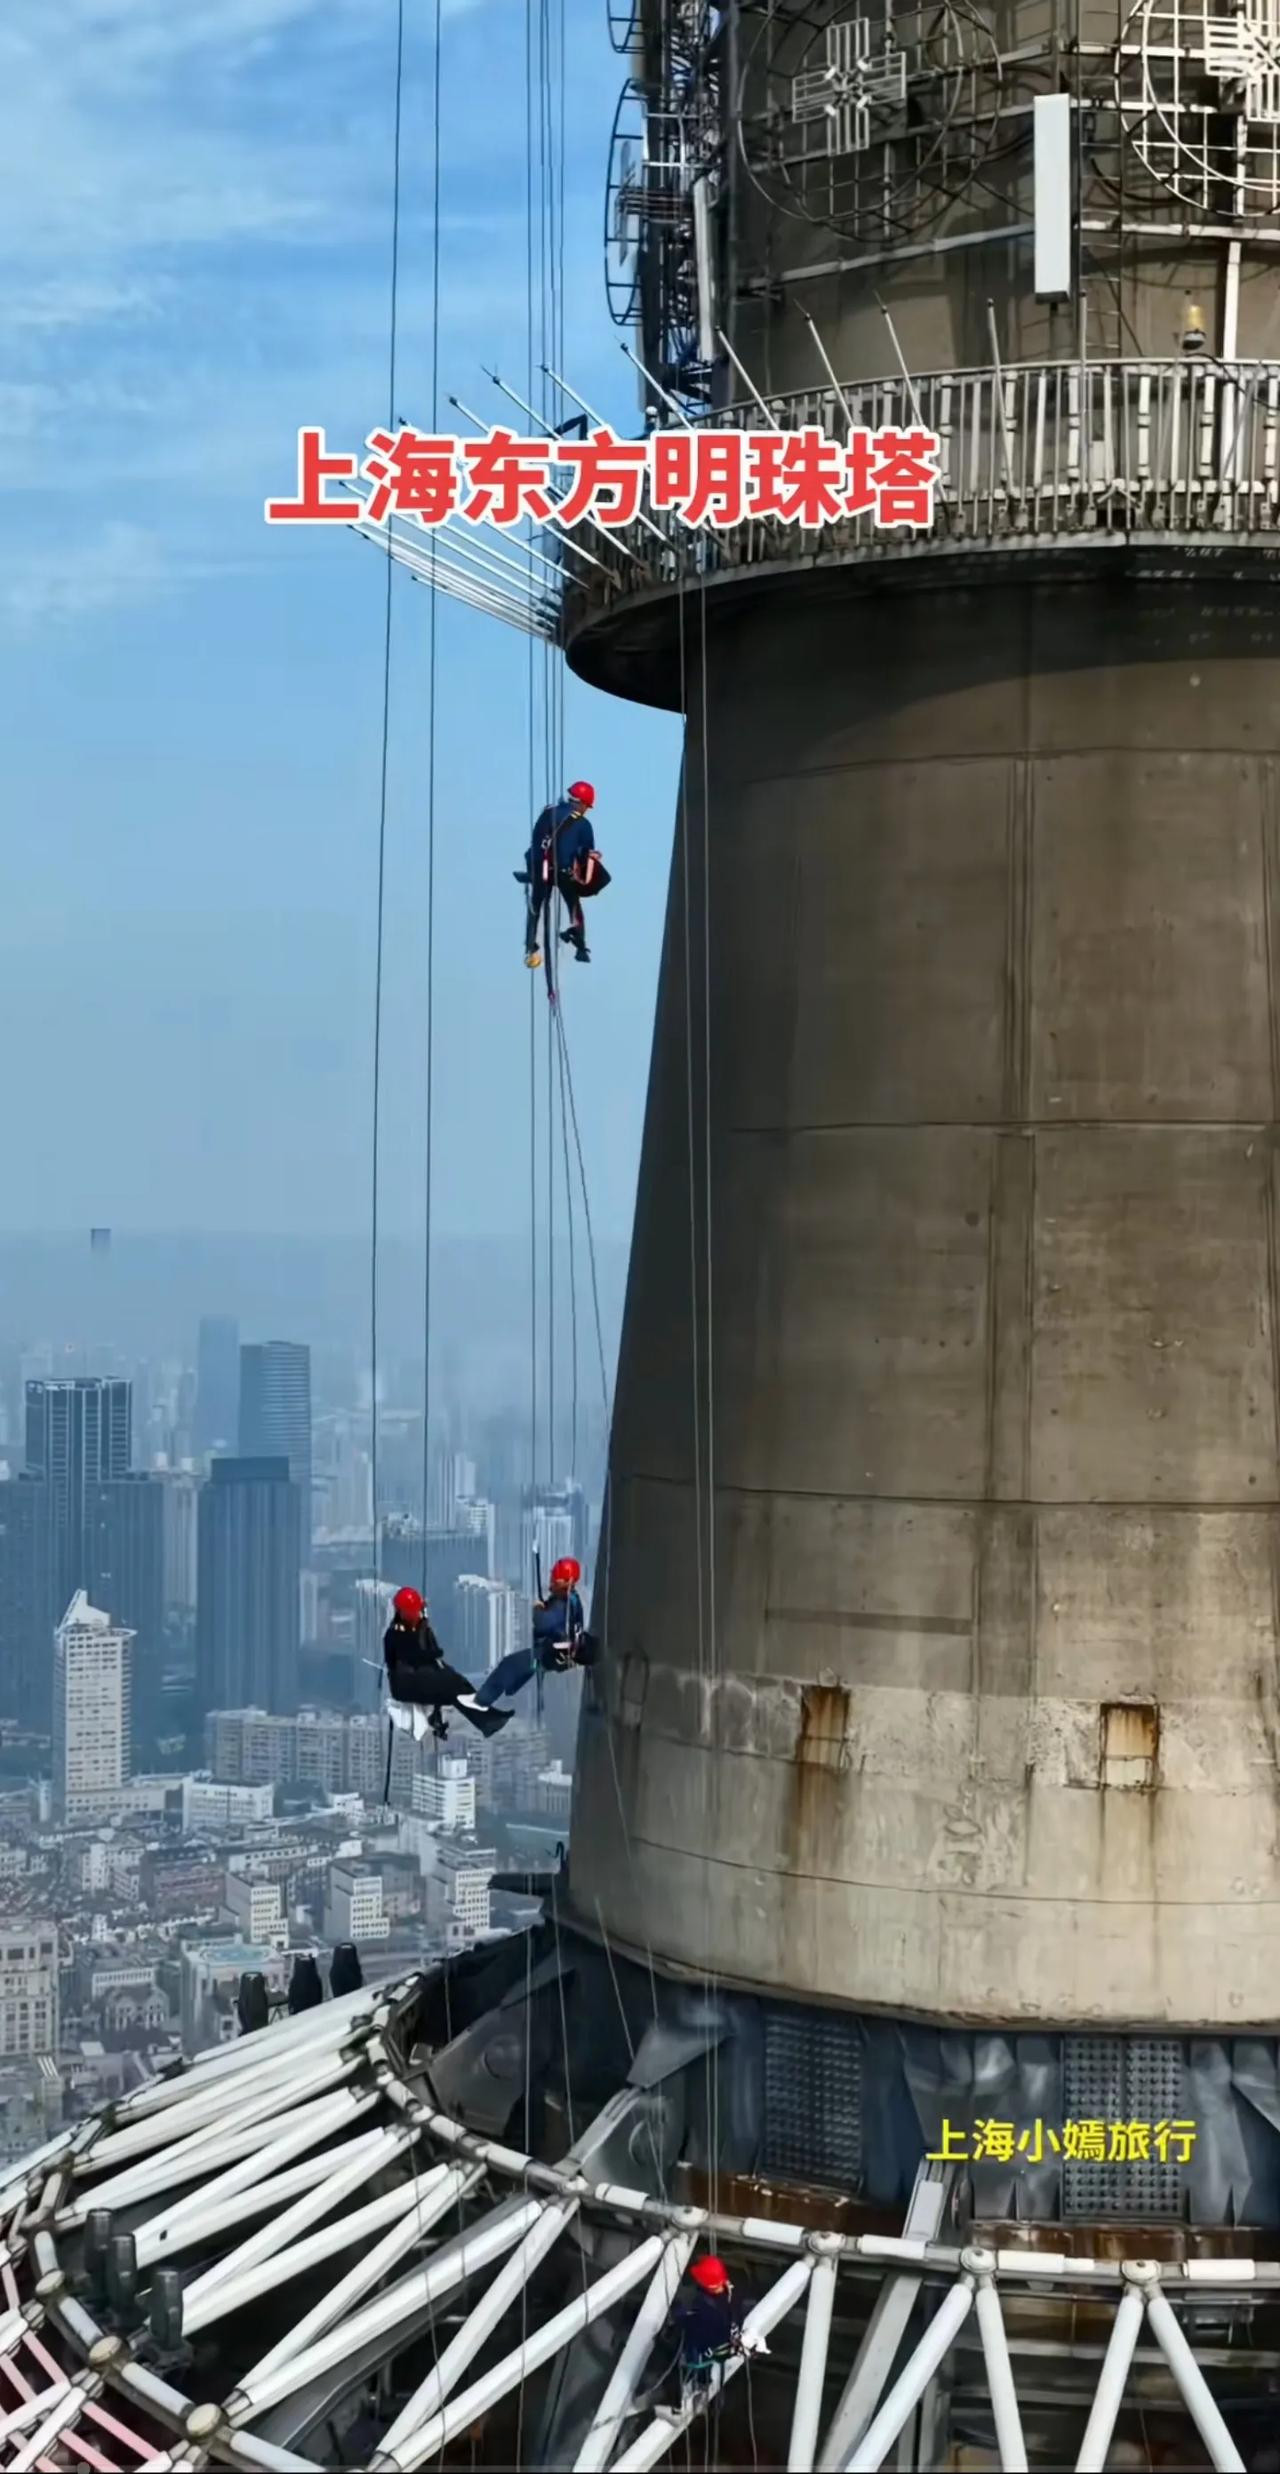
(709, 478)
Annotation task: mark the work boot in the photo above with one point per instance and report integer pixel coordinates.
(521, 875)
(577, 938)
(489, 1721)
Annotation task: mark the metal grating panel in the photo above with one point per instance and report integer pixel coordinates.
(1126, 2080)
(812, 2098)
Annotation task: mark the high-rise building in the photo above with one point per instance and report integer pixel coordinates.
(79, 1435)
(92, 1723)
(125, 1560)
(457, 1485)
(28, 1602)
(255, 1910)
(28, 1989)
(181, 1536)
(490, 1619)
(353, 1905)
(275, 1413)
(478, 1519)
(372, 1616)
(217, 1404)
(554, 1523)
(458, 1875)
(248, 1610)
(344, 1756)
(447, 1554)
(445, 1795)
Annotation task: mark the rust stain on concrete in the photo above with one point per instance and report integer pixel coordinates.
(814, 1818)
(1130, 1744)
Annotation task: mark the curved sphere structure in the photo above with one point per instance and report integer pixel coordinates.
(292, 2254)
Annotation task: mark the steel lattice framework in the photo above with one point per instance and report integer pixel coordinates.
(230, 2263)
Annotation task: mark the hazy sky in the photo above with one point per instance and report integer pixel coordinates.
(194, 223)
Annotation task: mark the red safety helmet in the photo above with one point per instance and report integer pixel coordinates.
(582, 793)
(410, 1604)
(567, 1573)
(711, 2274)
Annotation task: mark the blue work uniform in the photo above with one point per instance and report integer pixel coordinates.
(562, 842)
(557, 1622)
(710, 2327)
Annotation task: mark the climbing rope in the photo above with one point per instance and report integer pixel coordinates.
(393, 338)
(429, 1128)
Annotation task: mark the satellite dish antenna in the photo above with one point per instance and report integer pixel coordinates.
(624, 211)
(624, 24)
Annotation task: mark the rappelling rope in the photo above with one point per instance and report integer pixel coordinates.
(393, 338)
(600, 1619)
(573, 1272)
(703, 1463)
(433, 598)
(712, 1621)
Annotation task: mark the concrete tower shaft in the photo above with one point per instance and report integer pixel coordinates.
(989, 1729)
(941, 1591)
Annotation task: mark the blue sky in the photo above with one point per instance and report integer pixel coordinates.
(194, 230)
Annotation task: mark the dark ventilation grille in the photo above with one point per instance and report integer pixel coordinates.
(1113, 2079)
(812, 2099)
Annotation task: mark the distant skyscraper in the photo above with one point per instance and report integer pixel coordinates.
(28, 1603)
(478, 1519)
(275, 1413)
(248, 1611)
(125, 1539)
(92, 1678)
(79, 1435)
(459, 1486)
(554, 1524)
(489, 1620)
(181, 1509)
(217, 1408)
(449, 1553)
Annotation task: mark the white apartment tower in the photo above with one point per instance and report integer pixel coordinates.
(490, 1620)
(446, 1795)
(353, 1909)
(91, 1710)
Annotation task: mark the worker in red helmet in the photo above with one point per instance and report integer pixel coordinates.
(560, 1638)
(562, 858)
(709, 2322)
(418, 1675)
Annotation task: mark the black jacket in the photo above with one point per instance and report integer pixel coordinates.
(709, 2324)
(410, 1646)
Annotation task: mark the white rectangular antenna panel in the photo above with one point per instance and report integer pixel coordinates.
(1053, 184)
(705, 269)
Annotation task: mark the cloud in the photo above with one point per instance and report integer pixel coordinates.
(120, 566)
(193, 248)
(59, 301)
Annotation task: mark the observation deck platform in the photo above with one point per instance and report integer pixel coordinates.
(1144, 470)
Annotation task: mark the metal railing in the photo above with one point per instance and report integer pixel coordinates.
(1034, 454)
